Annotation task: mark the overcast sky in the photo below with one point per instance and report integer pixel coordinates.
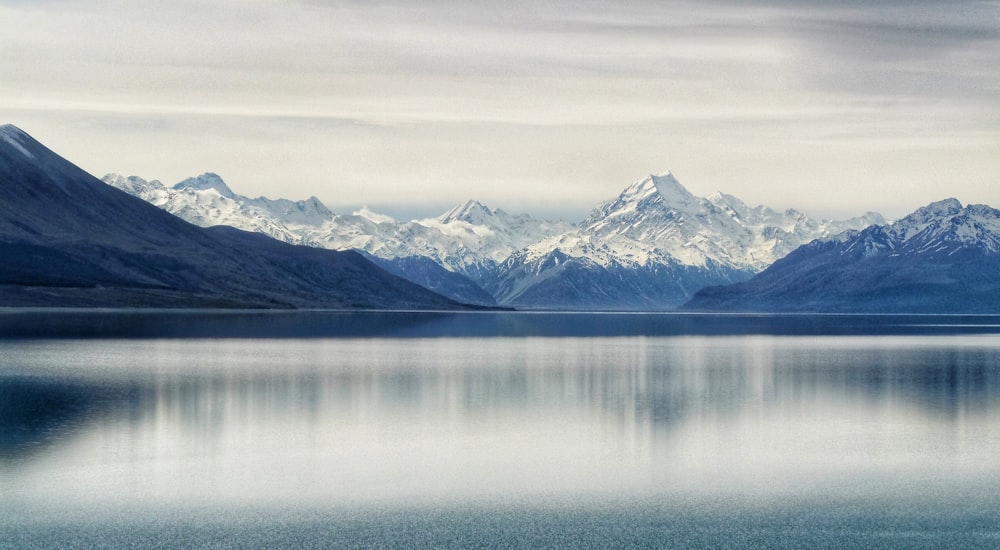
(830, 106)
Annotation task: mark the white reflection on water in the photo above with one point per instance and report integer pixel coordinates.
(316, 423)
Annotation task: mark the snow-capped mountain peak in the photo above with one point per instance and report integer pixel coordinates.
(945, 207)
(665, 184)
(920, 219)
(946, 225)
(670, 189)
(661, 193)
(655, 239)
(471, 211)
(469, 239)
(206, 181)
(207, 201)
(657, 235)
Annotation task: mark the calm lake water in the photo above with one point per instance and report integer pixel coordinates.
(506, 430)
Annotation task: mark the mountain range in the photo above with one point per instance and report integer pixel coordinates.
(650, 248)
(653, 247)
(942, 258)
(67, 239)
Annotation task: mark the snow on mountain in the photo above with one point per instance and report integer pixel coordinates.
(150, 191)
(289, 213)
(204, 182)
(941, 258)
(462, 240)
(656, 224)
(470, 240)
(207, 201)
(69, 240)
(471, 212)
(481, 236)
(652, 247)
(778, 233)
(945, 227)
(657, 217)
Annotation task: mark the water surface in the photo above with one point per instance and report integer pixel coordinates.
(498, 430)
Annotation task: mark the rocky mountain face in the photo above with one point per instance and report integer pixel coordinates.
(67, 239)
(942, 258)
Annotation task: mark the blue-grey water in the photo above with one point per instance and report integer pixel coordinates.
(497, 430)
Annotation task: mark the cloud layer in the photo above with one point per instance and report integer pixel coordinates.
(826, 106)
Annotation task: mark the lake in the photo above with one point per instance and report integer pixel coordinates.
(222, 429)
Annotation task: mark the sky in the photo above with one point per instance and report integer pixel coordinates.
(833, 107)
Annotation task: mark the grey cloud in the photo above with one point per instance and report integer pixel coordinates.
(574, 98)
(898, 58)
(899, 38)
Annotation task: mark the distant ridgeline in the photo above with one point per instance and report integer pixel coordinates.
(67, 239)
(650, 248)
(942, 258)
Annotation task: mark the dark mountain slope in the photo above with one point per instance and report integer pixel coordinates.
(430, 275)
(67, 239)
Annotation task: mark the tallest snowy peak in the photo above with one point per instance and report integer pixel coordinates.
(657, 187)
(668, 186)
(471, 211)
(664, 184)
(653, 195)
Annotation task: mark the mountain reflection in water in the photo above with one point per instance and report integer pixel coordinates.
(160, 324)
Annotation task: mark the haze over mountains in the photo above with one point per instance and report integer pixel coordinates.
(651, 247)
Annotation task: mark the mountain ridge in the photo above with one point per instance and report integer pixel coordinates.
(658, 244)
(655, 241)
(66, 236)
(941, 258)
(69, 239)
(457, 242)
